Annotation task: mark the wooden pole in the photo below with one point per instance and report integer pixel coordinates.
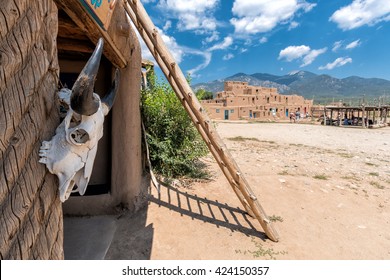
(339, 115)
(197, 114)
(325, 116)
(331, 117)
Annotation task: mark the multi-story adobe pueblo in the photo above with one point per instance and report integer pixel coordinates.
(242, 101)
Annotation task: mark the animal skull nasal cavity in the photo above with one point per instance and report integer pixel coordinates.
(79, 136)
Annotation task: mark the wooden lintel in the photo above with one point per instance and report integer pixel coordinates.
(66, 44)
(92, 30)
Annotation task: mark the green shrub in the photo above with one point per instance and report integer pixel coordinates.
(175, 144)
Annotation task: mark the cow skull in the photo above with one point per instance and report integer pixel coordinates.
(71, 152)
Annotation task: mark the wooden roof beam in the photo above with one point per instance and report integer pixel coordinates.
(93, 30)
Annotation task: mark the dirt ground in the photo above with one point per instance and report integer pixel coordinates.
(327, 189)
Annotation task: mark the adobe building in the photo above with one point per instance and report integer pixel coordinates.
(240, 101)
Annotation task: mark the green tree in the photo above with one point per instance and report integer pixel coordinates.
(175, 144)
(202, 94)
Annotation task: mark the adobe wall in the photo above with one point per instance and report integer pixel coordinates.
(31, 225)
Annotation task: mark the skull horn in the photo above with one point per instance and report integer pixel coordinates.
(82, 100)
(109, 98)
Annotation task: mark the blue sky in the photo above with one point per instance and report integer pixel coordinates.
(213, 39)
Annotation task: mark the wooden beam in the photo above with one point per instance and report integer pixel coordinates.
(65, 44)
(85, 21)
(68, 29)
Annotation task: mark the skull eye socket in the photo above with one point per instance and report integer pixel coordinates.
(79, 136)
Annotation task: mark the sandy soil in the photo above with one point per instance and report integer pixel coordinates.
(326, 188)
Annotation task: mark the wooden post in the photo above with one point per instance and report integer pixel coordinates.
(197, 114)
(325, 116)
(331, 117)
(340, 118)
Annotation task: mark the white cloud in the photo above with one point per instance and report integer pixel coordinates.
(248, 42)
(337, 45)
(263, 40)
(207, 59)
(173, 46)
(361, 12)
(192, 14)
(176, 50)
(228, 56)
(214, 37)
(293, 25)
(189, 6)
(304, 53)
(167, 25)
(294, 52)
(353, 45)
(312, 55)
(340, 45)
(227, 42)
(337, 63)
(257, 16)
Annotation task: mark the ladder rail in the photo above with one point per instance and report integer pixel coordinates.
(197, 114)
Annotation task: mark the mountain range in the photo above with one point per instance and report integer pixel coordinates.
(309, 85)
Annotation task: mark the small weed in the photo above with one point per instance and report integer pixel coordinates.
(296, 145)
(345, 155)
(351, 177)
(373, 174)
(329, 151)
(321, 177)
(371, 164)
(261, 251)
(269, 142)
(284, 172)
(377, 185)
(275, 218)
(241, 139)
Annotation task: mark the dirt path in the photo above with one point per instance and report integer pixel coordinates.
(326, 188)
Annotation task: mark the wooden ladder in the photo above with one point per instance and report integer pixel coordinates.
(175, 77)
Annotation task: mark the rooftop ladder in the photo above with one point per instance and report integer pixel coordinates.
(175, 77)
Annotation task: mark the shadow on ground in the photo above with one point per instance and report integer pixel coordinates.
(129, 237)
(209, 211)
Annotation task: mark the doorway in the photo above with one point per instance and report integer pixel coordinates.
(226, 114)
